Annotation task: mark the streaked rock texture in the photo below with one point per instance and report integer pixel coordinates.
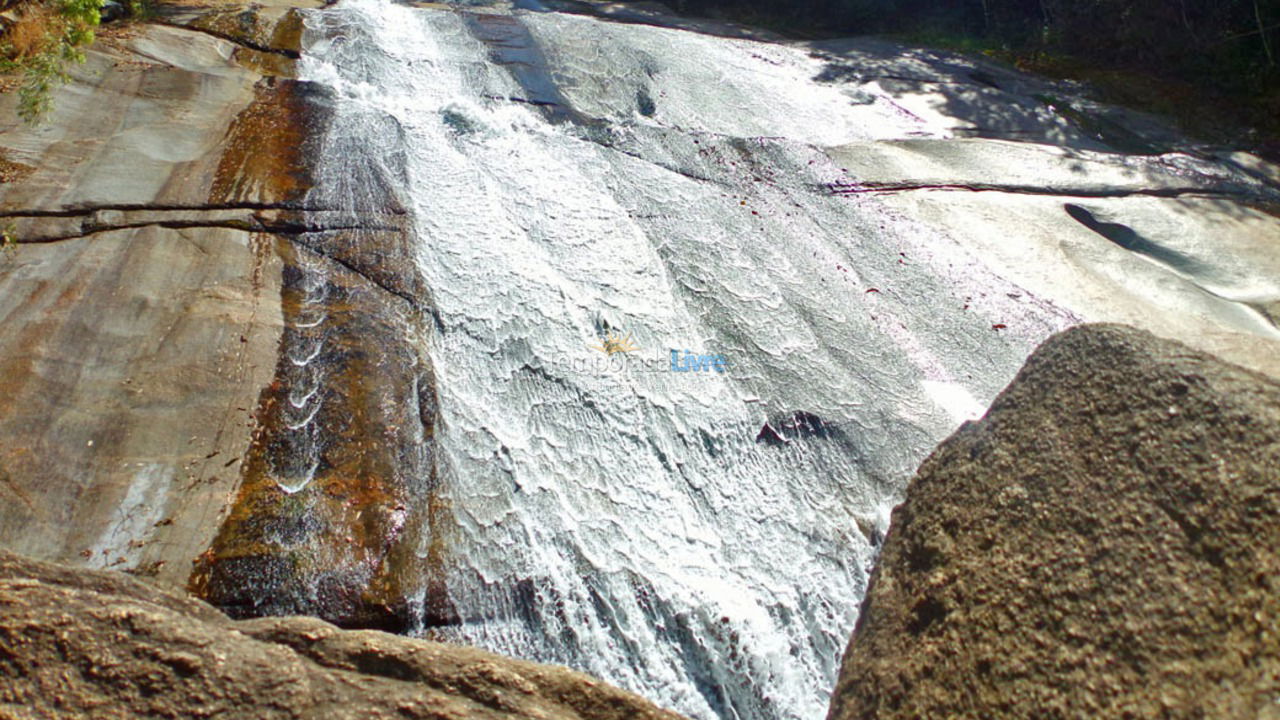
(174, 277)
(1104, 543)
(313, 297)
(84, 643)
(141, 306)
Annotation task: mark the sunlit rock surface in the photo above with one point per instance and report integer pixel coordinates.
(1102, 543)
(140, 308)
(870, 239)
(85, 643)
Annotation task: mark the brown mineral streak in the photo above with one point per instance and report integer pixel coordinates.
(11, 171)
(343, 547)
(262, 159)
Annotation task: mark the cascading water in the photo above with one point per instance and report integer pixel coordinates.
(578, 186)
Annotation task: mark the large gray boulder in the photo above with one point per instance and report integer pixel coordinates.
(1105, 542)
(80, 643)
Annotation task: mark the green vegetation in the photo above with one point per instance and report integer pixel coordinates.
(1215, 64)
(140, 9)
(8, 240)
(39, 44)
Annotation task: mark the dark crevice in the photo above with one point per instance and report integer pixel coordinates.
(292, 231)
(242, 42)
(80, 210)
(1169, 192)
(1195, 536)
(247, 225)
(927, 612)
(370, 662)
(298, 242)
(527, 101)
(668, 168)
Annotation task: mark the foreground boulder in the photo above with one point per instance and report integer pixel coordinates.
(82, 643)
(1104, 543)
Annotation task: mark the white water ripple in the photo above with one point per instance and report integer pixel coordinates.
(630, 523)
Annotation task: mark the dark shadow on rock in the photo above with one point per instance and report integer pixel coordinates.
(1129, 239)
(1205, 276)
(514, 48)
(989, 100)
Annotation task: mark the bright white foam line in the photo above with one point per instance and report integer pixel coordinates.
(959, 403)
(300, 362)
(311, 323)
(311, 414)
(298, 402)
(296, 486)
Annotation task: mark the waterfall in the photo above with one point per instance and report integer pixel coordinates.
(680, 382)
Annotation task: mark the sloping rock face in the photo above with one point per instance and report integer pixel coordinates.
(1104, 543)
(192, 335)
(219, 343)
(84, 643)
(141, 304)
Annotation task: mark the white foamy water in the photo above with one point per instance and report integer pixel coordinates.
(570, 178)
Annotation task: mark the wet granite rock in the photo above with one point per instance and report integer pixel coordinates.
(141, 303)
(1104, 543)
(170, 270)
(85, 643)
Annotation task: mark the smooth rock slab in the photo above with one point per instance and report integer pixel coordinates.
(140, 312)
(1104, 543)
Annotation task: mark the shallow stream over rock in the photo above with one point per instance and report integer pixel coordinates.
(579, 186)
(608, 338)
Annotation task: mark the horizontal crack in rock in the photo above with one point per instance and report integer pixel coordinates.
(247, 225)
(81, 210)
(1169, 192)
(292, 54)
(298, 242)
(662, 166)
(288, 230)
(527, 101)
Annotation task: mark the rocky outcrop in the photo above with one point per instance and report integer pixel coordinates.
(1104, 543)
(215, 322)
(141, 300)
(84, 643)
(195, 335)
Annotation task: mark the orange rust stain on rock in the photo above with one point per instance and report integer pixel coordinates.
(277, 49)
(247, 26)
(287, 34)
(265, 63)
(11, 171)
(342, 547)
(263, 157)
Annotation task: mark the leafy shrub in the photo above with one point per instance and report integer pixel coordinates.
(44, 39)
